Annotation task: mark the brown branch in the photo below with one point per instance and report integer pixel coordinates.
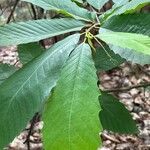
(33, 121)
(29, 10)
(110, 138)
(34, 12)
(12, 11)
(127, 88)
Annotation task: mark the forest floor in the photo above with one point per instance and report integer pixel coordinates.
(137, 101)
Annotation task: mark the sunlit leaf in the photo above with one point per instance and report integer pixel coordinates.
(71, 115)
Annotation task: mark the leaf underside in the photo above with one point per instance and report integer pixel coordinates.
(97, 3)
(32, 31)
(131, 7)
(131, 46)
(120, 2)
(64, 6)
(125, 8)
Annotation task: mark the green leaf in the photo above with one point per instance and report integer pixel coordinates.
(27, 52)
(114, 116)
(97, 3)
(131, 7)
(65, 6)
(138, 42)
(125, 8)
(6, 71)
(120, 2)
(106, 59)
(71, 118)
(133, 23)
(31, 31)
(24, 92)
(131, 55)
(135, 47)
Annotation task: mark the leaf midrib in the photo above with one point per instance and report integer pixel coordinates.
(73, 96)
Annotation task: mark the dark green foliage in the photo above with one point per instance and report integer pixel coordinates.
(6, 71)
(27, 52)
(106, 59)
(114, 116)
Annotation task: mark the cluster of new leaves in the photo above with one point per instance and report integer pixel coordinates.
(61, 82)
